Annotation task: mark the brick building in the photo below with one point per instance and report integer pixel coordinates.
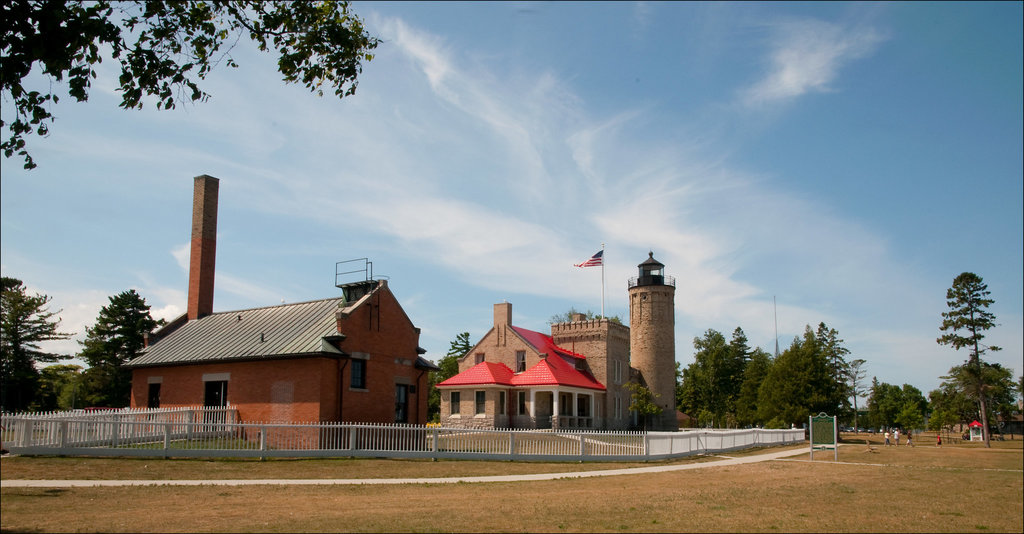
(353, 358)
(575, 377)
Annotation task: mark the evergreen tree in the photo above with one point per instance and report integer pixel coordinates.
(25, 322)
(756, 370)
(449, 365)
(965, 323)
(115, 339)
(707, 384)
(798, 385)
(835, 353)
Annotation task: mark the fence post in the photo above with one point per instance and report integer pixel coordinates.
(352, 437)
(26, 432)
(167, 438)
(512, 444)
(63, 437)
(190, 418)
(115, 429)
(263, 441)
(647, 445)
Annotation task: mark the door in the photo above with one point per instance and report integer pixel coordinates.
(401, 403)
(215, 396)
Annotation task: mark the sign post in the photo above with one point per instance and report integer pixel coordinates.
(824, 434)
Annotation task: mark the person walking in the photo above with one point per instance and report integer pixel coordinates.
(910, 443)
(886, 438)
(938, 440)
(896, 437)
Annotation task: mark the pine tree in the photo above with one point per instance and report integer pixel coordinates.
(24, 323)
(965, 324)
(117, 338)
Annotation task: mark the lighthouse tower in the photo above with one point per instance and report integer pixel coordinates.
(652, 343)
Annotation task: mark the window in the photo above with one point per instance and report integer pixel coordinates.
(358, 374)
(520, 361)
(501, 403)
(456, 397)
(401, 403)
(522, 403)
(481, 402)
(479, 357)
(154, 396)
(618, 371)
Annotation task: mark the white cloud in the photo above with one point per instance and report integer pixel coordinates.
(806, 57)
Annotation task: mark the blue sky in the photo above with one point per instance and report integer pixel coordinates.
(848, 160)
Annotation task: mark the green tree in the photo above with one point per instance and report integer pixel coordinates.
(965, 323)
(855, 375)
(58, 387)
(643, 402)
(116, 339)
(799, 384)
(164, 50)
(25, 322)
(587, 316)
(753, 376)
(884, 403)
(999, 390)
(707, 385)
(449, 365)
(835, 354)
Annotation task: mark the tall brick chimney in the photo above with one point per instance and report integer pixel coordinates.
(203, 257)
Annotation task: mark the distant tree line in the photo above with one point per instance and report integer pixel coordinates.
(732, 385)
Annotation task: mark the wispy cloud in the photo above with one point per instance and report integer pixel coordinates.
(806, 56)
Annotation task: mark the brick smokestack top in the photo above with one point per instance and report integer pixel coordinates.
(204, 247)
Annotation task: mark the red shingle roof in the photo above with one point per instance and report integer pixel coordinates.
(483, 373)
(552, 371)
(544, 343)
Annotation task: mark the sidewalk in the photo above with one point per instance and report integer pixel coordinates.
(385, 481)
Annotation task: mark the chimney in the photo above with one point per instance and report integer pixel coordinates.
(204, 247)
(502, 314)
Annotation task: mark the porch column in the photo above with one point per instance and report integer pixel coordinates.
(554, 404)
(533, 402)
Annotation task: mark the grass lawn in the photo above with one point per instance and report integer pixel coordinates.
(962, 488)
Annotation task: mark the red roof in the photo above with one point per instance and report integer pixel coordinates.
(483, 373)
(554, 371)
(975, 423)
(544, 343)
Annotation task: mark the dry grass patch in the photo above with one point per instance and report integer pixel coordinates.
(769, 496)
(67, 468)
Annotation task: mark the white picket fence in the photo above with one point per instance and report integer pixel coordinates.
(200, 432)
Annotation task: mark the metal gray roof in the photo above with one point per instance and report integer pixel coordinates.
(271, 332)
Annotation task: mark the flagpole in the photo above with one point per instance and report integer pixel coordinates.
(603, 260)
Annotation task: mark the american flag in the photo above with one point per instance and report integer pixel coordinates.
(594, 261)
